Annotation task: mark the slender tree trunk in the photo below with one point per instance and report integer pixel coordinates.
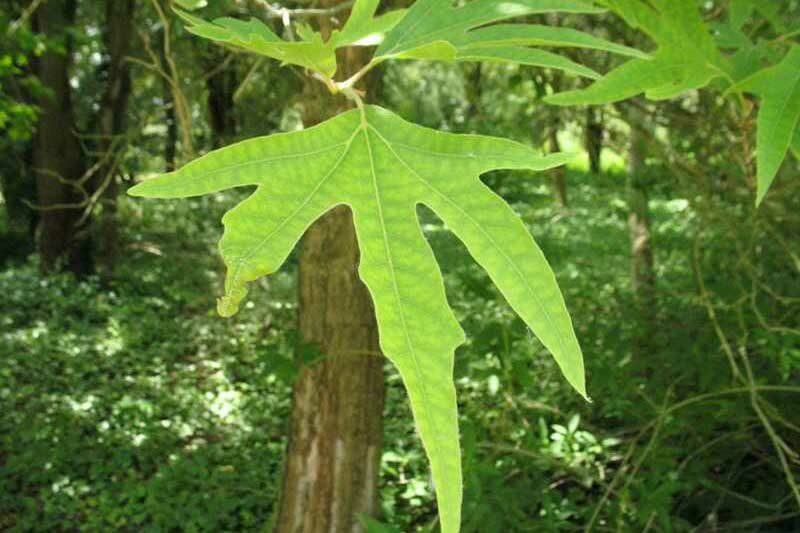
(558, 174)
(642, 262)
(474, 91)
(593, 138)
(171, 142)
(170, 113)
(332, 462)
(58, 158)
(220, 84)
(117, 40)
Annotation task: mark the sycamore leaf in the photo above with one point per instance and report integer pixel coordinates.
(527, 56)
(363, 28)
(687, 56)
(778, 88)
(435, 29)
(254, 36)
(383, 168)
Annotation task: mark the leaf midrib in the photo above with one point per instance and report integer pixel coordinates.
(513, 264)
(792, 96)
(387, 250)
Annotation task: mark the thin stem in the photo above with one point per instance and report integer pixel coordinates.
(352, 80)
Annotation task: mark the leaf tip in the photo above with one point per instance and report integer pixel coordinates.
(559, 99)
(228, 305)
(137, 190)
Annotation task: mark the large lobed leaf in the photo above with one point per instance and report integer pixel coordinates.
(687, 56)
(436, 29)
(254, 36)
(430, 29)
(363, 28)
(383, 168)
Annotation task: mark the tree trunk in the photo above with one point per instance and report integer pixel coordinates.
(642, 262)
(220, 84)
(170, 113)
(333, 456)
(171, 142)
(58, 159)
(117, 40)
(593, 138)
(558, 174)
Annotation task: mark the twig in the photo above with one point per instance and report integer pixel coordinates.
(23, 18)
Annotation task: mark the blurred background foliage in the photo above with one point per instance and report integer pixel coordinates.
(127, 404)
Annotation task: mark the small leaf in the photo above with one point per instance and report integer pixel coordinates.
(573, 423)
(383, 167)
(779, 113)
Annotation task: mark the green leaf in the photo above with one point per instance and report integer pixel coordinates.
(687, 56)
(537, 35)
(526, 56)
(774, 13)
(435, 29)
(254, 36)
(740, 11)
(383, 167)
(779, 113)
(363, 28)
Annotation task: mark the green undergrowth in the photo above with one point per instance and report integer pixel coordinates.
(133, 407)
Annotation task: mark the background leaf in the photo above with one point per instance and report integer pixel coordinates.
(687, 56)
(435, 29)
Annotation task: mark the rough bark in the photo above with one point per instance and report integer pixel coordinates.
(331, 468)
(113, 110)
(58, 158)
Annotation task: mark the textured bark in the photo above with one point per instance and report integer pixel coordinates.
(332, 462)
(117, 40)
(58, 159)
